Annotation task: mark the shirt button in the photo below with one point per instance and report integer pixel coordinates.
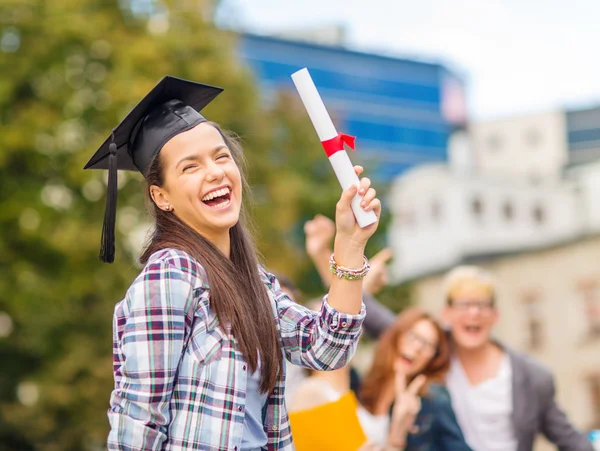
(274, 427)
(244, 367)
(275, 391)
(240, 408)
(344, 324)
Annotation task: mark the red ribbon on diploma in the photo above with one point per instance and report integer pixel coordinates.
(336, 144)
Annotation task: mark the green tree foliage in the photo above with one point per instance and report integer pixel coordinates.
(69, 71)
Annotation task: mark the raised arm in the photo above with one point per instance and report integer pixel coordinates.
(319, 233)
(345, 295)
(327, 340)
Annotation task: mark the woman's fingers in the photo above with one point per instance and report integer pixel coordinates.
(416, 385)
(365, 184)
(400, 379)
(367, 198)
(382, 256)
(374, 205)
(358, 169)
(347, 196)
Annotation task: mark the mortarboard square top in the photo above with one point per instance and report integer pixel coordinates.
(138, 137)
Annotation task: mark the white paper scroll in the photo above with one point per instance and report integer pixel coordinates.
(342, 166)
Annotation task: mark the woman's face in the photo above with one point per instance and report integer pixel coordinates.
(416, 347)
(202, 184)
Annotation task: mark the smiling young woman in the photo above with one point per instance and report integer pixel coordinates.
(200, 337)
(403, 389)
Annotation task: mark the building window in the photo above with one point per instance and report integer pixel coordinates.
(533, 316)
(594, 391)
(407, 217)
(494, 142)
(436, 210)
(477, 207)
(508, 211)
(532, 138)
(539, 214)
(590, 293)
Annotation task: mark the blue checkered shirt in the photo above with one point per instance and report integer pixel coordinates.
(180, 379)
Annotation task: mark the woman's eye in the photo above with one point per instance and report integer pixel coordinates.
(222, 156)
(189, 167)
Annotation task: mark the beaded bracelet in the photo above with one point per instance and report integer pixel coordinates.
(342, 272)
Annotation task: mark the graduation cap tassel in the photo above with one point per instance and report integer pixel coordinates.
(107, 249)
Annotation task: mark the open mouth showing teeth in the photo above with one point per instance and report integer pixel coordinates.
(218, 198)
(472, 329)
(407, 359)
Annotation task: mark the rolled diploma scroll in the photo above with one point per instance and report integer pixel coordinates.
(342, 166)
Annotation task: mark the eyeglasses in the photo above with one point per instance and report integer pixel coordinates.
(426, 345)
(464, 306)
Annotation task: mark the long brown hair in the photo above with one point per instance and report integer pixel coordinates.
(237, 294)
(382, 369)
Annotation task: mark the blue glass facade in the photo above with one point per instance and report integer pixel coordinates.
(397, 108)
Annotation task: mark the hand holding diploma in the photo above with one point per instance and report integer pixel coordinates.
(333, 143)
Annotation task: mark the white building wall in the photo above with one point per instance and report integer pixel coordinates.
(423, 218)
(532, 147)
(441, 217)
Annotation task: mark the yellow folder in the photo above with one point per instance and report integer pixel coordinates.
(329, 427)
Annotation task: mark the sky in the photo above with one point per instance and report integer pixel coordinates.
(516, 56)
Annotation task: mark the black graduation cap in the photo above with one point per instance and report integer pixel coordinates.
(172, 107)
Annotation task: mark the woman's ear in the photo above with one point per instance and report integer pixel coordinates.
(160, 198)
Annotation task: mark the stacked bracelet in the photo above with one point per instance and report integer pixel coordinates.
(348, 273)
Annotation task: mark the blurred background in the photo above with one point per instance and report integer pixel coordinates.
(479, 123)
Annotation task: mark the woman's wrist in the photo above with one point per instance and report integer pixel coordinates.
(348, 253)
(397, 443)
(342, 272)
(397, 435)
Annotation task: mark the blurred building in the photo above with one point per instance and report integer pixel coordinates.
(529, 147)
(583, 128)
(440, 218)
(510, 185)
(518, 198)
(402, 111)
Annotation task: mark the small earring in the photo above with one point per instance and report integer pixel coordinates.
(168, 208)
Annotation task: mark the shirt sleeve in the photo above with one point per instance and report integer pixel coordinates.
(324, 340)
(556, 426)
(154, 321)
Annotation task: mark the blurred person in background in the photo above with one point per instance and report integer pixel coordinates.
(403, 391)
(200, 336)
(502, 398)
(402, 405)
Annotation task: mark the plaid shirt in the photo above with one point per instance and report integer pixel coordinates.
(180, 380)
